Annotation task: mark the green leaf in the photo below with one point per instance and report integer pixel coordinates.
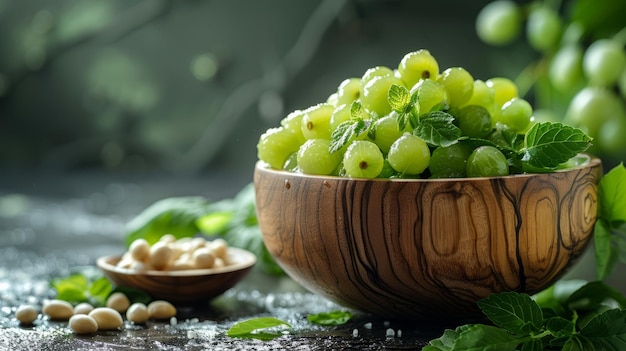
(330, 318)
(593, 295)
(253, 328)
(612, 195)
(399, 98)
(512, 311)
(72, 288)
(548, 144)
(215, 222)
(532, 345)
(605, 253)
(99, 291)
(480, 337)
(560, 327)
(443, 343)
(342, 135)
(134, 294)
(438, 129)
(356, 110)
(607, 331)
(176, 216)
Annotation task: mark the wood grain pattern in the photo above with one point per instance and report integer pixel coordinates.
(423, 249)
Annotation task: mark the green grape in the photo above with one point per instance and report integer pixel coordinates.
(503, 89)
(332, 99)
(316, 121)
(409, 155)
(373, 72)
(621, 83)
(544, 115)
(516, 114)
(293, 123)
(348, 91)
(386, 131)
(612, 137)
(603, 62)
(363, 159)
(430, 94)
(449, 161)
(543, 28)
(482, 95)
(340, 114)
(314, 158)
(291, 164)
(276, 145)
(418, 65)
(566, 68)
(474, 121)
(591, 107)
(499, 22)
(487, 161)
(458, 83)
(375, 92)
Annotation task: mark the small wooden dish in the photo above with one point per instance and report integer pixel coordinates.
(192, 285)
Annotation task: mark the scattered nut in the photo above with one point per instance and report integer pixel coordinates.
(83, 324)
(26, 314)
(83, 308)
(161, 309)
(107, 318)
(58, 309)
(137, 313)
(118, 301)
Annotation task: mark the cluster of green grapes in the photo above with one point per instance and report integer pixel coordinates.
(409, 122)
(583, 61)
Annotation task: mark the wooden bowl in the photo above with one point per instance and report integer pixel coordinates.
(192, 285)
(426, 249)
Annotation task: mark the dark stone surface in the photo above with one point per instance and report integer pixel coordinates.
(51, 225)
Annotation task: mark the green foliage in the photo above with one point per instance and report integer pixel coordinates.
(82, 287)
(256, 328)
(330, 318)
(548, 144)
(437, 129)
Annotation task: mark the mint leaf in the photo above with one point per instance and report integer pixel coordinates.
(480, 337)
(612, 195)
(446, 341)
(548, 144)
(512, 311)
(560, 327)
(399, 98)
(607, 331)
(532, 345)
(341, 136)
(330, 318)
(253, 328)
(437, 129)
(176, 216)
(356, 110)
(99, 291)
(593, 295)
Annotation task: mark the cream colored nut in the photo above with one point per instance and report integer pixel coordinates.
(26, 314)
(83, 324)
(197, 243)
(137, 313)
(140, 250)
(219, 263)
(58, 309)
(83, 308)
(203, 258)
(160, 255)
(161, 309)
(107, 318)
(137, 266)
(219, 248)
(181, 265)
(125, 261)
(118, 301)
(168, 238)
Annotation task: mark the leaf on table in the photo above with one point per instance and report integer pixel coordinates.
(254, 328)
(330, 318)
